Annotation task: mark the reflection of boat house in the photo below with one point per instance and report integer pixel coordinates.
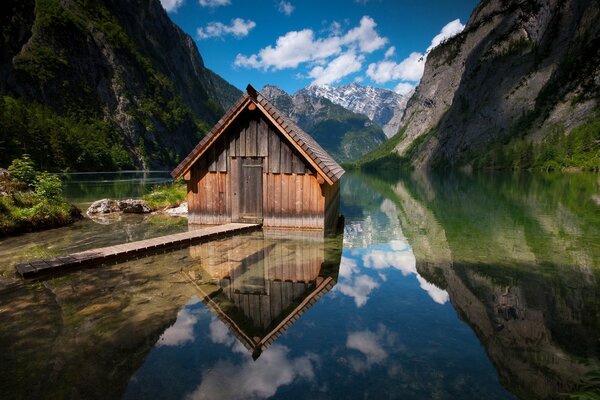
(257, 166)
(259, 286)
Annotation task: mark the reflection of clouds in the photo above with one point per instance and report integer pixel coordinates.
(371, 345)
(182, 331)
(219, 333)
(359, 288)
(396, 254)
(438, 295)
(251, 379)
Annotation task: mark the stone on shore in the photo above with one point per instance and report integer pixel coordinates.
(134, 206)
(180, 210)
(108, 206)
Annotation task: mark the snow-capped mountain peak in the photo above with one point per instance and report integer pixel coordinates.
(382, 106)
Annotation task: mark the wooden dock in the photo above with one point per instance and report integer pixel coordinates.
(129, 250)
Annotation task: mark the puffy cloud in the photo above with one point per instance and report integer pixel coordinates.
(365, 36)
(171, 5)
(181, 332)
(255, 379)
(286, 7)
(291, 50)
(449, 30)
(343, 54)
(238, 28)
(344, 65)
(404, 88)
(412, 67)
(214, 3)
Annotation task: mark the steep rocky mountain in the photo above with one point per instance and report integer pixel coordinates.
(518, 88)
(382, 106)
(344, 134)
(97, 85)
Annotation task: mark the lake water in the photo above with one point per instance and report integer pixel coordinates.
(443, 287)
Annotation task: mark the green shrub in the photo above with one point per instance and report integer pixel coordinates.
(48, 187)
(23, 170)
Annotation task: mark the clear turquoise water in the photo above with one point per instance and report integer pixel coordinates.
(445, 287)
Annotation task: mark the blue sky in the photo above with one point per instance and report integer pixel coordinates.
(293, 43)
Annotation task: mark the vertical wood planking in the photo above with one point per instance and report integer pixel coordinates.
(274, 151)
(242, 141)
(263, 138)
(298, 204)
(235, 186)
(286, 158)
(277, 200)
(251, 150)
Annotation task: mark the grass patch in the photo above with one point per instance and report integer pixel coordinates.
(166, 196)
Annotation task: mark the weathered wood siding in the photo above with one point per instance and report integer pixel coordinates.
(291, 195)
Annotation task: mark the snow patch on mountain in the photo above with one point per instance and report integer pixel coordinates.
(383, 107)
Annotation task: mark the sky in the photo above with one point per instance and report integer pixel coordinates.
(295, 43)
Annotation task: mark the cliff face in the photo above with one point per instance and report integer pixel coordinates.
(521, 82)
(119, 71)
(344, 134)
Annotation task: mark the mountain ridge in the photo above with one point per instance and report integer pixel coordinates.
(518, 88)
(344, 134)
(103, 85)
(382, 106)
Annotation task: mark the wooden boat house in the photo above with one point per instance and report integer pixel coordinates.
(256, 165)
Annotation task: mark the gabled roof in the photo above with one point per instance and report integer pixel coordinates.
(304, 143)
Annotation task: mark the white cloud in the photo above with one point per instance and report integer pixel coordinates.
(255, 379)
(171, 5)
(344, 65)
(214, 3)
(238, 28)
(451, 29)
(404, 88)
(286, 7)
(390, 52)
(332, 57)
(365, 36)
(412, 67)
(181, 332)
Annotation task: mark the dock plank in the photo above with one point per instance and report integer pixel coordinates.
(121, 252)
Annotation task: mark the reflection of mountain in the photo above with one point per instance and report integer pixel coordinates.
(517, 257)
(261, 285)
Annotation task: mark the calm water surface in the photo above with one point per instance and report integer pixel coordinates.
(444, 287)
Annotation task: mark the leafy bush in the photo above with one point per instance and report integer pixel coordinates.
(23, 170)
(48, 187)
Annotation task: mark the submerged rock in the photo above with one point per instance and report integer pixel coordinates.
(134, 206)
(103, 206)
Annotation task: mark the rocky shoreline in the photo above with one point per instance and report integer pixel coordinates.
(132, 206)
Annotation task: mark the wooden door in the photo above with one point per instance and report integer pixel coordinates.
(250, 190)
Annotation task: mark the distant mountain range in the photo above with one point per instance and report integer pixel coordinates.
(382, 106)
(346, 135)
